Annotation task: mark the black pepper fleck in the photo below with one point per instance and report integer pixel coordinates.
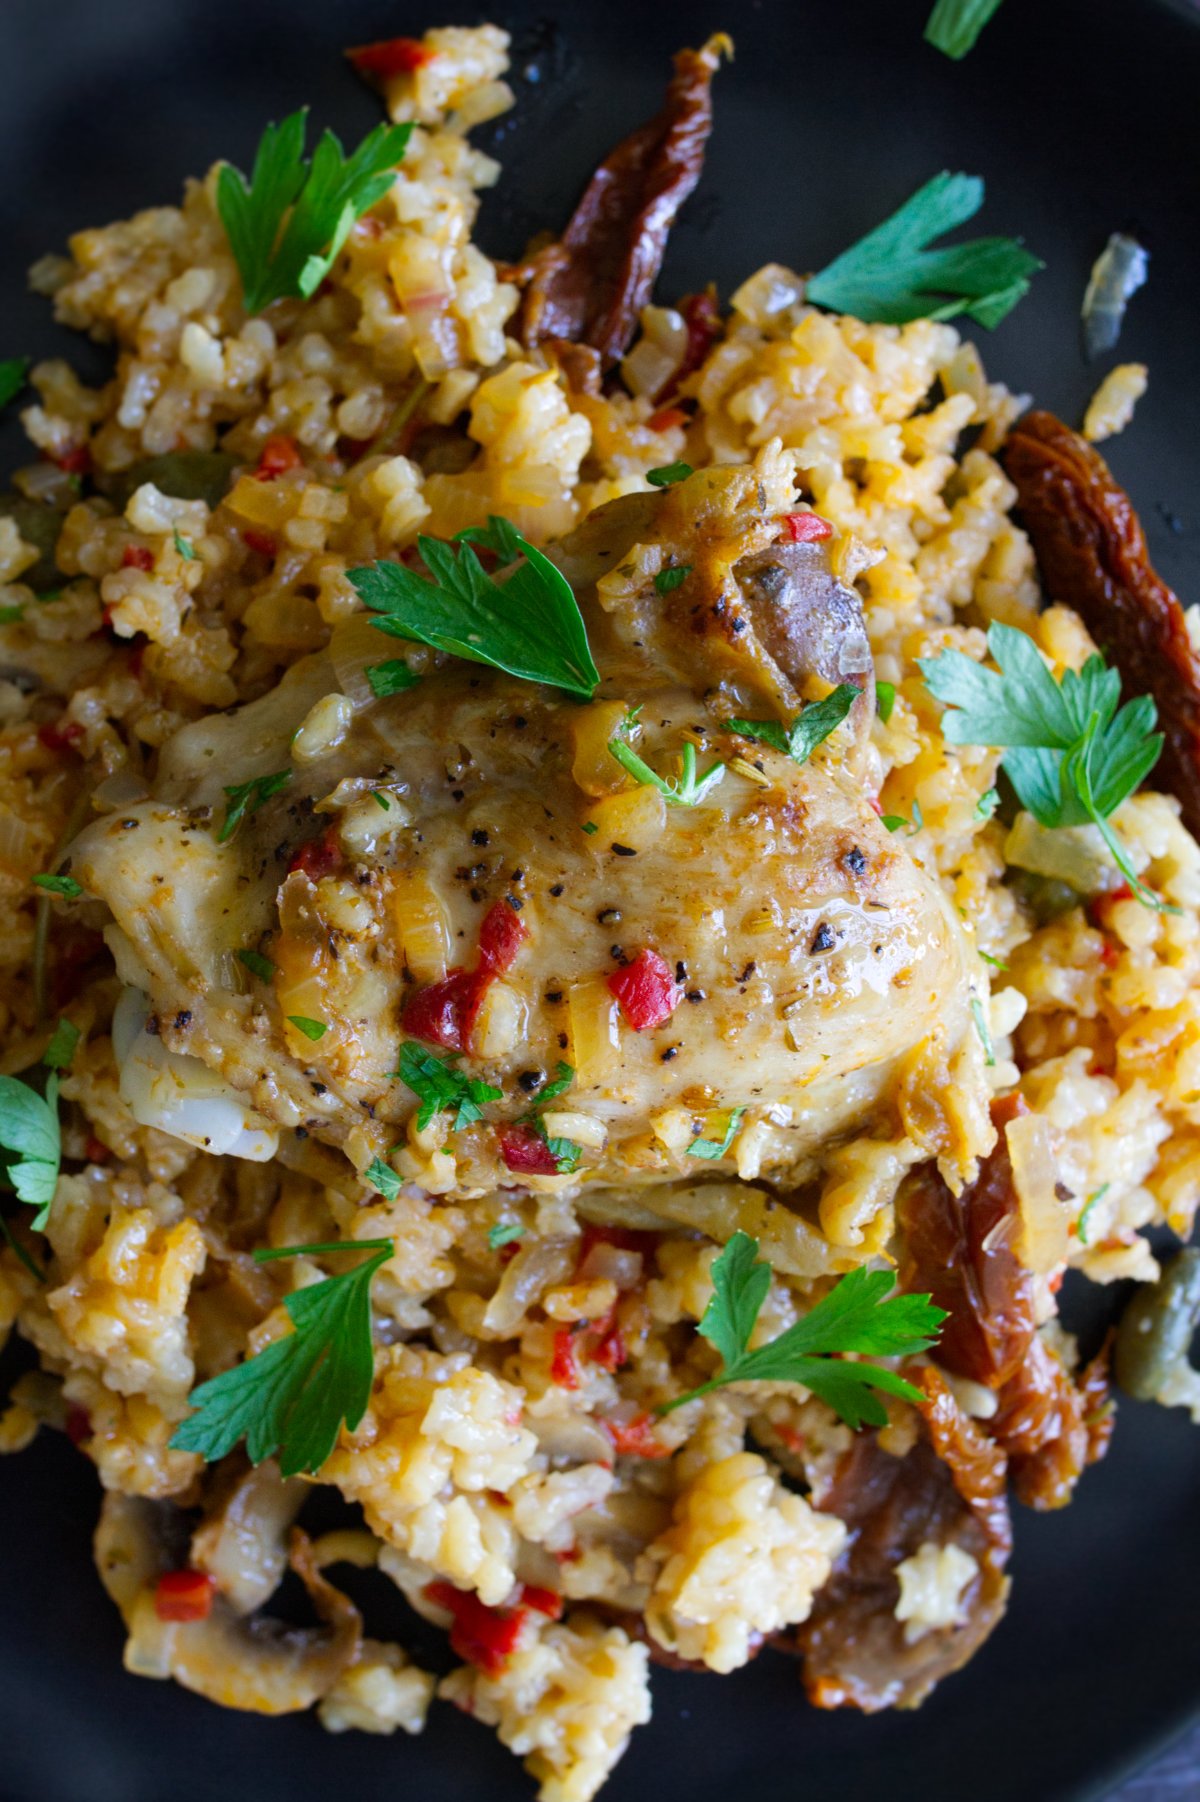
(557, 889)
(696, 995)
(609, 916)
(554, 996)
(479, 836)
(748, 972)
(624, 850)
(680, 971)
(183, 1019)
(823, 939)
(666, 1056)
(530, 1080)
(855, 861)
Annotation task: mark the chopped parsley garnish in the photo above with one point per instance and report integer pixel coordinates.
(667, 474)
(687, 789)
(292, 1397)
(504, 1233)
(13, 371)
(809, 729)
(529, 624)
(590, 827)
(390, 678)
(257, 964)
(670, 578)
(997, 963)
(566, 1153)
(885, 700)
(892, 275)
(716, 1148)
(853, 1317)
(894, 821)
(954, 25)
(30, 1137)
(381, 1176)
(984, 1030)
(66, 886)
(987, 803)
(185, 547)
(245, 799)
(442, 1088)
(312, 1029)
(380, 799)
(1081, 1225)
(1072, 753)
(319, 200)
(10, 615)
(61, 1049)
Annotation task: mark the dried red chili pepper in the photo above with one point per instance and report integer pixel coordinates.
(137, 556)
(1093, 556)
(593, 282)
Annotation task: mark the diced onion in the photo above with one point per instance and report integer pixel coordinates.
(354, 644)
(180, 1095)
(422, 927)
(658, 353)
(1117, 274)
(16, 842)
(1075, 855)
(771, 297)
(1045, 1220)
(595, 1034)
(538, 1266)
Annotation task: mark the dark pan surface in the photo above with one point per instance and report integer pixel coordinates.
(1082, 116)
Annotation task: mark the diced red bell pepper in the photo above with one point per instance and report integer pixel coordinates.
(702, 317)
(665, 418)
(635, 1438)
(279, 454)
(60, 735)
(95, 1150)
(78, 1424)
(184, 1595)
(806, 528)
(610, 1350)
(542, 1601)
(319, 856)
(526, 1152)
(500, 938)
(137, 556)
(391, 56)
(485, 1637)
(1098, 908)
(75, 462)
(563, 1369)
(445, 1012)
(262, 542)
(646, 991)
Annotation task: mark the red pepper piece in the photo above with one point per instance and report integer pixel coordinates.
(563, 1369)
(526, 1151)
(485, 1637)
(279, 454)
(702, 316)
(542, 1601)
(391, 56)
(665, 418)
(635, 1438)
(76, 462)
(184, 1595)
(137, 556)
(646, 990)
(445, 1012)
(95, 1150)
(806, 528)
(262, 542)
(318, 857)
(61, 735)
(611, 1351)
(78, 1424)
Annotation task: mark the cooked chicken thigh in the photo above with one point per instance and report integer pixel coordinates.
(798, 956)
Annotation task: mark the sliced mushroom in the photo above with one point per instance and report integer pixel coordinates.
(249, 1662)
(242, 1541)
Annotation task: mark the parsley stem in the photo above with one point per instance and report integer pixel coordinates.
(312, 1251)
(19, 1251)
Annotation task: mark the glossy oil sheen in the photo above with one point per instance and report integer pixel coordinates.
(1082, 116)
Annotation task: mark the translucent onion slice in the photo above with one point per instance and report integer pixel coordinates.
(1117, 274)
(181, 1096)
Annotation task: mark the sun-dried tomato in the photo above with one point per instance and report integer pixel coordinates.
(646, 990)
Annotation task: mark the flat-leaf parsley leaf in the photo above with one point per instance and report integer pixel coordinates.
(320, 200)
(1072, 753)
(293, 1396)
(441, 1088)
(13, 371)
(528, 623)
(810, 728)
(954, 25)
(853, 1317)
(893, 275)
(245, 799)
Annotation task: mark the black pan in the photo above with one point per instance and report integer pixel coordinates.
(1083, 117)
